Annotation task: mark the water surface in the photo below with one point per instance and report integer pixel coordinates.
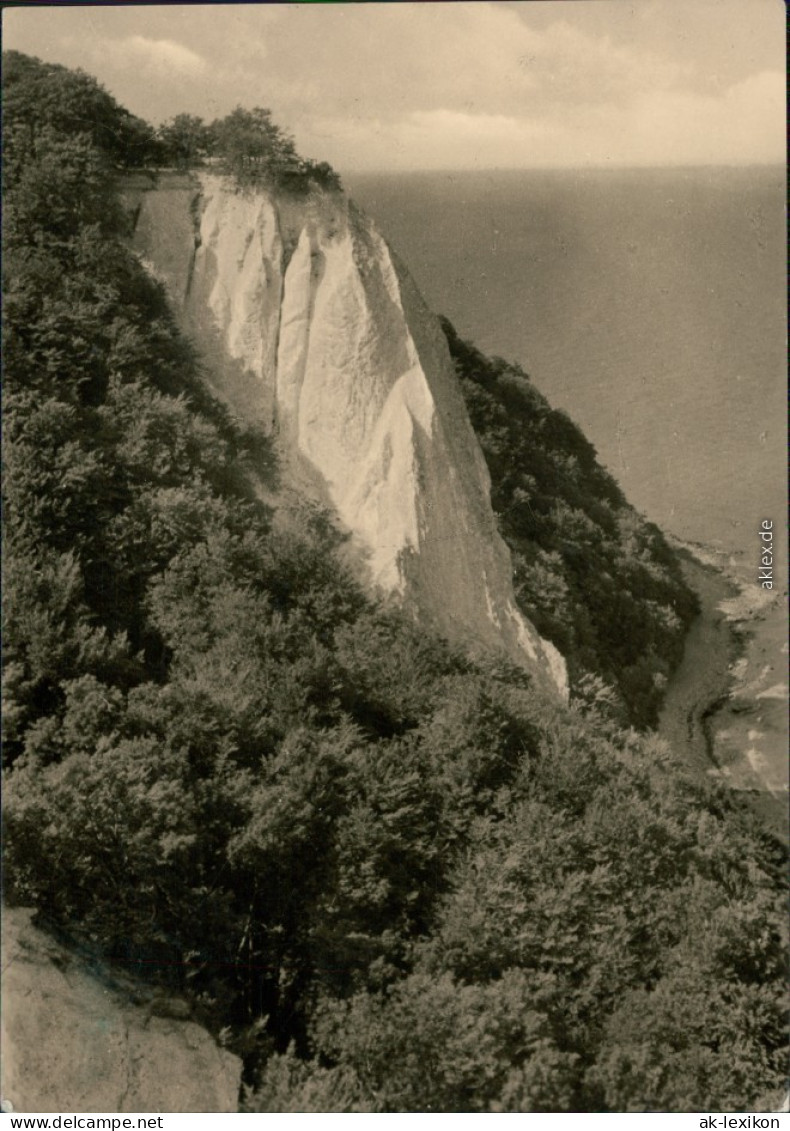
(650, 304)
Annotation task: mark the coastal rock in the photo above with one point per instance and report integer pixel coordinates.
(73, 1042)
(312, 329)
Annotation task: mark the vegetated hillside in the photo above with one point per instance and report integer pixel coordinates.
(393, 880)
(592, 576)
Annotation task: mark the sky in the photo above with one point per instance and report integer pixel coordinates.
(454, 85)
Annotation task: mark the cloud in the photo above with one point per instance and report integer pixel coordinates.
(387, 60)
(462, 84)
(163, 55)
(744, 124)
(437, 139)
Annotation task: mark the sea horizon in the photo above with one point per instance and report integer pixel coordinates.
(654, 318)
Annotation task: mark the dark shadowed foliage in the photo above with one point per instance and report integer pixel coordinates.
(392, 879)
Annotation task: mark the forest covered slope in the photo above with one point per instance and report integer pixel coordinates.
(392, 876)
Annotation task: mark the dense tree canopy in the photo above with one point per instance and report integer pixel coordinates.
(185, 140)
(42, 101)
(391, 878)
(248, 145)
(596, 579)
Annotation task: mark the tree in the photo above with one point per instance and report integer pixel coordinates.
(41, 98)
(595, 578)
(397, 878)
(432, 1044)
(186, 140)
(250, 143)
(255, 150)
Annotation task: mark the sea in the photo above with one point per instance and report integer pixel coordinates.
(650, 305)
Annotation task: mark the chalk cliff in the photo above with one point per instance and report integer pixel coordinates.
(311, 328)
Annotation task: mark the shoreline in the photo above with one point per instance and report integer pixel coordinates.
(726, 706)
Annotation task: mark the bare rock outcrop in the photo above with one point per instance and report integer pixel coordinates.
(73, 1042)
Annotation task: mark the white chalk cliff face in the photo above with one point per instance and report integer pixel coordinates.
(310, 326)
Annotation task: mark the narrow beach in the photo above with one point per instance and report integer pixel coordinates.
(726, 706)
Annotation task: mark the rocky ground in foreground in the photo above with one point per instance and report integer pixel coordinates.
(74, 1041)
